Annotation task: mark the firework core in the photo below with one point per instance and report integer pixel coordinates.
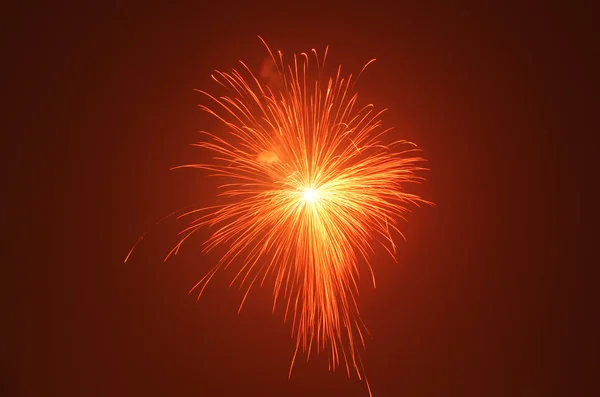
(310, 195)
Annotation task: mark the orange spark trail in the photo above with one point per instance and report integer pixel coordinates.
(309, 188)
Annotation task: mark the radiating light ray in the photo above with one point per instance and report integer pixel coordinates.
(309, 186)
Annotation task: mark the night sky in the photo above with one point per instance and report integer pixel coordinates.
(486, 298)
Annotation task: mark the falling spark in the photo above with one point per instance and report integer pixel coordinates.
(309, 188)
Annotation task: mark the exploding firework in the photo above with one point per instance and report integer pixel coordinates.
(309, 187)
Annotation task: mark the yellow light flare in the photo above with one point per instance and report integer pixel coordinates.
(310, 195)
(308, 187)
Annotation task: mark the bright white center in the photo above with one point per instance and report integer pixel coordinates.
(310, 194)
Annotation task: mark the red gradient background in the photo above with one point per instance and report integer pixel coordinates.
(486, 299)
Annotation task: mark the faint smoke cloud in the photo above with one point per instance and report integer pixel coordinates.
(269, 74)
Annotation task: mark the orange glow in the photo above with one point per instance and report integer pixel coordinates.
(308, 188)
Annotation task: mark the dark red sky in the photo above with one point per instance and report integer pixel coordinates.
(486, 299)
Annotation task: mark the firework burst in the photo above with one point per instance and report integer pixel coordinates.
(309, 186)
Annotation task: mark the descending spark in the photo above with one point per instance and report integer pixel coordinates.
(309, 187)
